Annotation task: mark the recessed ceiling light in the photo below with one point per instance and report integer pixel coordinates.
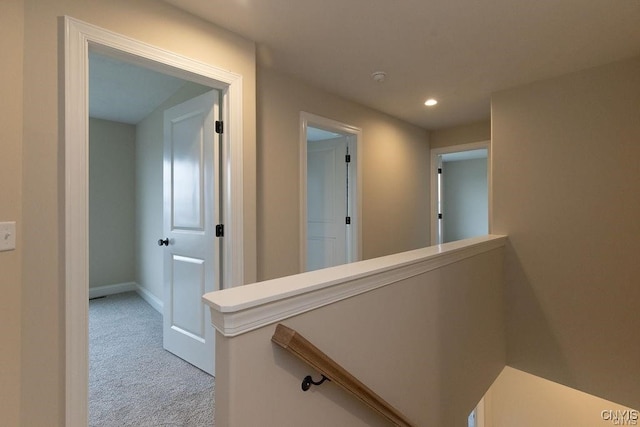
(430, 102)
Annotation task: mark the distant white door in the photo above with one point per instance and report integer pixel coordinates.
(326, 203)
(192, 253)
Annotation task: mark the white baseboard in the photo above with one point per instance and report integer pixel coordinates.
(151, 299)
(117, 288)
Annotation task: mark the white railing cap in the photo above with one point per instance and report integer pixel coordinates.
(242, 309)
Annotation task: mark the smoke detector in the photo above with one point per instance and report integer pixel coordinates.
(379, 76)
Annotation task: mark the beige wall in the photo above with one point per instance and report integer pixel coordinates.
(112, 195)
(150, 21)
(11, 45)
(395, 175)
(524, 400)
(565, 189)
(430, 345)
(464, 134)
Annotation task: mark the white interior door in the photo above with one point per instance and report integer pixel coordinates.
(192, 253)
(326, 203)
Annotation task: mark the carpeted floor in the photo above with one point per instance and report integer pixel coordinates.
(133, 381)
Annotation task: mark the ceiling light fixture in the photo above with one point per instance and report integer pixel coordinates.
(430, 102)
(379, 76)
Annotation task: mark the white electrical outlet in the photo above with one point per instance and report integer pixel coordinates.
(7, 236)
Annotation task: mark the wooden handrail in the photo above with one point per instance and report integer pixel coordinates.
(300, 347)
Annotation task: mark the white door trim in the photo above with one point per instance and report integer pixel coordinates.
(435, 152)
(78, 37)
(355, 175)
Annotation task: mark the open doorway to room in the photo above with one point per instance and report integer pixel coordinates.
(329, 188)
(137, 373)
(460, 192)
(193, 78)
(477, 416)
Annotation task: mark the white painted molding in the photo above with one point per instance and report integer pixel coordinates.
(116, 288)
(78, 38)
(243, 309)
(76, 226)
(233, 181)
(150, 298)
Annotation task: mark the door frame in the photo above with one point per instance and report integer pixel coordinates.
(435, 153)
(79, 37)
(354, 239)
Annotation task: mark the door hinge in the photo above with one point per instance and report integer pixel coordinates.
(220, 230)
(439, 216)
(219, 126)
(439, 170)
(347, 158)
(348, 220)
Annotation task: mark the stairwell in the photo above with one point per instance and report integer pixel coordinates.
(423, 329)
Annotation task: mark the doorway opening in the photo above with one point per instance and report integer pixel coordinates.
(80, 38)
(477, 416)
(460, 192)
(330, 200)
(141, 125)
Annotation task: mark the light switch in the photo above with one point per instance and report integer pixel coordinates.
(7, 236)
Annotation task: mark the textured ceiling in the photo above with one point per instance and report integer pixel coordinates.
(456, 51)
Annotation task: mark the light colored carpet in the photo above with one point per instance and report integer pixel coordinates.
(133, 381)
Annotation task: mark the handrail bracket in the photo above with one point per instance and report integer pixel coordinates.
(300, 347)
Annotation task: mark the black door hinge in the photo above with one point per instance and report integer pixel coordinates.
(348, 220)
(219, 126)
(220, 230)
(439, 216)
(347, 158)
(439, 170)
